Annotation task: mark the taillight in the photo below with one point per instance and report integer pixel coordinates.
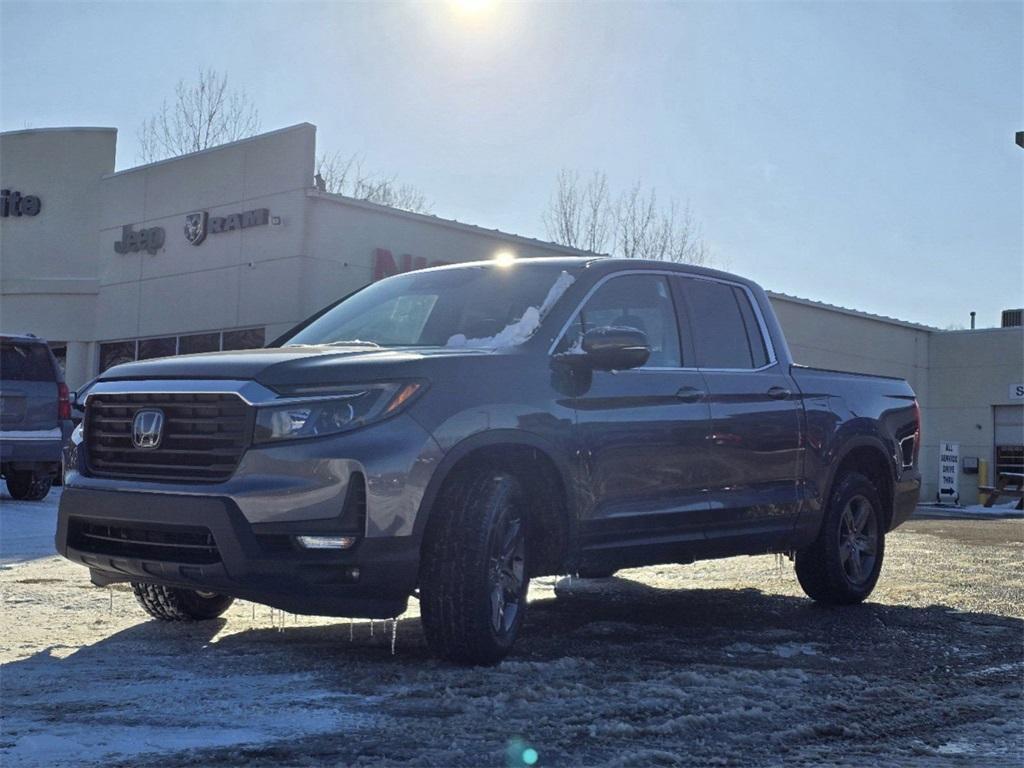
(917, 430)
(63, 401)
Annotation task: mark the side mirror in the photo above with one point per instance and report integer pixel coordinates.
(611, 348)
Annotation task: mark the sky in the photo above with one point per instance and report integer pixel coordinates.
(860, 154)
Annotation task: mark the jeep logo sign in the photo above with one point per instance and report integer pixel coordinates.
(13, 204)
(149, 240)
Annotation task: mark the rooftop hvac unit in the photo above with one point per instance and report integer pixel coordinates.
(1012, 318)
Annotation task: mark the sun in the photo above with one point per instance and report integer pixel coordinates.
(473, 7)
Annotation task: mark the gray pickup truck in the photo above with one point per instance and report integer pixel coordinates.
(450, 433)
(35, 416)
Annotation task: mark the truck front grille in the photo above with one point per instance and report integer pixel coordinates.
(204, 436)
(174, 544)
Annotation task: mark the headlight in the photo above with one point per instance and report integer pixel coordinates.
(346, 408)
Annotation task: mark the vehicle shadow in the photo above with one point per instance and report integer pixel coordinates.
(584, 619)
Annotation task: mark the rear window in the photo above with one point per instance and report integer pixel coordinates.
(725, 330)
(25, 362)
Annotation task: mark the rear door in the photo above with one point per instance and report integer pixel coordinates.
(28, 387)
(641, 432)
(754, 447)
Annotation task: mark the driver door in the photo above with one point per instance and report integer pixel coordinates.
(642, 433)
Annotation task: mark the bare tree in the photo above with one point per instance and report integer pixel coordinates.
(204, 114)
(583, 214)
(345, 176)
(580, 213)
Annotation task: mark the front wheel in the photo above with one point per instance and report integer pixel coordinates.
(174, 604)
(842, 565)
(26, 485)
(473, 580)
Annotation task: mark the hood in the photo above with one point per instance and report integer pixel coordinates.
(287, 365)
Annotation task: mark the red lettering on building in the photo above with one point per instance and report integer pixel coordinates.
(384, 264)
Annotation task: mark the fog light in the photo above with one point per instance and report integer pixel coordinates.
(326, 542)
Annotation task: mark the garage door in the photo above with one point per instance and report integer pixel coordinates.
(1009, 442)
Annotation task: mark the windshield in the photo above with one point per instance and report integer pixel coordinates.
(483, 306)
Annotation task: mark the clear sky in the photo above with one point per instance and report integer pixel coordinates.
(856, 153)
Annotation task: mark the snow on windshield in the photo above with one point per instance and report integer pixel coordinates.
(521, 330)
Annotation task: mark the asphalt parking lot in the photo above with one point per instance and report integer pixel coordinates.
(721, 663)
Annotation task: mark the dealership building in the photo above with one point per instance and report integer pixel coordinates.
(228, 247)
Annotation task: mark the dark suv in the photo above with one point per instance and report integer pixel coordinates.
(35, 416)
(449, 433)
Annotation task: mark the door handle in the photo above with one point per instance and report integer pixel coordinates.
(779, 393)
(691, 394)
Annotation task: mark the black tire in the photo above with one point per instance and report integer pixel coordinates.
(474, 576)
(173, 604)
(842, 566)
(26, 485)
(596, 573)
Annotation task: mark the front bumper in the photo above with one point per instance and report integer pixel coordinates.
(251, 561)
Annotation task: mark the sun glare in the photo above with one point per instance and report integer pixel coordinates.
(504, 258)
(473, 7)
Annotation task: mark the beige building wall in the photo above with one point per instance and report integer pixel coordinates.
(48, 262)
(969, 374)
(232, 279)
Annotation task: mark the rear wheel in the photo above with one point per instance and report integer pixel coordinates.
(473, 581)
(843, 564)
(174, 604)
(26, 485)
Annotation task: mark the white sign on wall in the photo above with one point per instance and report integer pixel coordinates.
(949, 471)
(1017, 391)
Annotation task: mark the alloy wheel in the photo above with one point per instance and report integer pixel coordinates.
(858, 539)
(507, 571)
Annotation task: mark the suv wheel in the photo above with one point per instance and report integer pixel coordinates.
(26, 485)
(842, 565)
(474, 577)
(173, 604)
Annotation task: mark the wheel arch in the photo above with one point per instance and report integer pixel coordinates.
(868, 457)
(537, 464)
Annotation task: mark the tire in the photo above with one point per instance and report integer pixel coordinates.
(596, 573)
(173, 604)
(26, 485)
(474, 576)
(842, 566)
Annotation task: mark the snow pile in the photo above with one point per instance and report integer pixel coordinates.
(516, 333)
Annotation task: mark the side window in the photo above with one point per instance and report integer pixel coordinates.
(758, 350)
(633, 301)
(725, 330)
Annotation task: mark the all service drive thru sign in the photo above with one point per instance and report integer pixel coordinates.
(949, 472)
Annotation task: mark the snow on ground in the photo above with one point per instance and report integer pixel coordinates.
(27, 527)
(715, 663)
(999, 509)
